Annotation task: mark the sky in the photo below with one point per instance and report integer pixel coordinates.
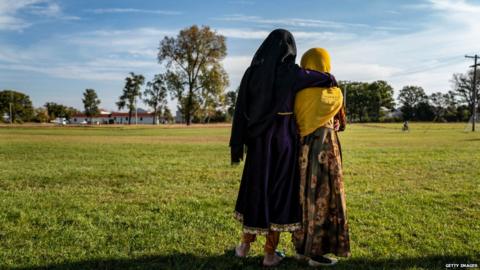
(53, 50)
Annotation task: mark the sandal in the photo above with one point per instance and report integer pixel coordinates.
(322, 261)
(279, 256)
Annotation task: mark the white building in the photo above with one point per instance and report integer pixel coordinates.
(6, 117)
(118, 118)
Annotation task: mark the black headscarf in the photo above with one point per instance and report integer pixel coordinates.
(264, 88)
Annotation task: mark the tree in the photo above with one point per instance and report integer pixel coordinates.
(424, 111)
(155, 95)
(212, 94)
(230, 101)
(211, 106)
(360, 97)
(18, 103)
(356, 99)
(55, 110)
(443, 105)
(463, 113)
(195, 72)
(167, 115)
(410, 97)
(220, 116)
(379, 95)
(41, 115)
(463, 85)
(90, 103)
(131, 91)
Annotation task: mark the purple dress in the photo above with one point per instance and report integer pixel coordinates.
(268, 198)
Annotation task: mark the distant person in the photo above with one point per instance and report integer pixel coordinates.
(405, 126)
(319, 112)
(268, 199)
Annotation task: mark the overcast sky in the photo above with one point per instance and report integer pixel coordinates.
(54, 49)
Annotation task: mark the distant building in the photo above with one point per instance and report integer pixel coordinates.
(119, 118)
(397, 113)
(60, 121)
(6, 117)
(104, 112)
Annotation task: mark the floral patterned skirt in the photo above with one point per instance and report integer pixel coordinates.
(322, 197)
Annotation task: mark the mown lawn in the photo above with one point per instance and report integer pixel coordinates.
(162, 198)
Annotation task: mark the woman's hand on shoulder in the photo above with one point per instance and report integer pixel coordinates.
(336, 125)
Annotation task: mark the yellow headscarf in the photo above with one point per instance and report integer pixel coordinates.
(314, 107)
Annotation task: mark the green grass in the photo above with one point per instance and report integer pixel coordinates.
(162, 198)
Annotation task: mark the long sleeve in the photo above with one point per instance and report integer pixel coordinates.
(237, 138)
(309, 78)
(239, 124)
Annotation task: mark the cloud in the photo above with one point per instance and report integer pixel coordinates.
(241, 33)
(454, 6)
(8, 14)
(242, 2)
(10, 23)
(134, 10)
(70, 71)
(300, 23)
(11, 20)
(235, 66)
(427, 55)
(13, 55)
(49, 9)
(109, 68)
(394, 12)
(100, 55)
(139, 42)
(362, 71)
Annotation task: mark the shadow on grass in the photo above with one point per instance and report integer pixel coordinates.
(228, 261)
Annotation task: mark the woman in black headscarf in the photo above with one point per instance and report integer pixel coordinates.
(268, 199)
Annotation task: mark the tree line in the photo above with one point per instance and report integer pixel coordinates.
(375, 102)
(196, 79)
(366, 102)
(194, 76)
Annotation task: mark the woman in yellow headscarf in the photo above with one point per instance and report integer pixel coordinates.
(319, 112)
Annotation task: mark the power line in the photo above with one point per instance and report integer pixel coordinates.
(420, 70)
(474, 89)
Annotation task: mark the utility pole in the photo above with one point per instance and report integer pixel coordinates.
(474, 89)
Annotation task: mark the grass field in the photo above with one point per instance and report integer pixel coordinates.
(162, 198)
